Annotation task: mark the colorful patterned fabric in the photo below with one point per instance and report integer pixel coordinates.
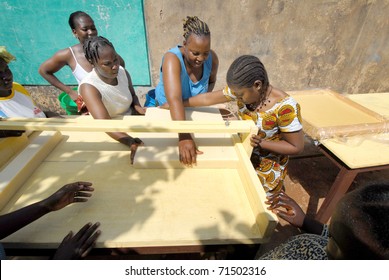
(284, 116)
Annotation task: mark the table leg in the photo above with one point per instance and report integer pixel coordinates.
(342, 182)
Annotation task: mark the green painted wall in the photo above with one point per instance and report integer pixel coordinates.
(34, 30)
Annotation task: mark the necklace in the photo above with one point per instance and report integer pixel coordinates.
(266, 100)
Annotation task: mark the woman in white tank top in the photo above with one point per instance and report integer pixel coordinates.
(107, 91)
(83, 27)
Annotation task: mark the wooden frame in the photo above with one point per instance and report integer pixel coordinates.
(150, 208)
(328, 114)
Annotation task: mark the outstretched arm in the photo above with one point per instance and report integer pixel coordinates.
(70, 193)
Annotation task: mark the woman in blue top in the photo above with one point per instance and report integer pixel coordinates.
(186, 71)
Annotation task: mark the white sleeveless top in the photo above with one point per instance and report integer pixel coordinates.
(116, 99)
(79, 73)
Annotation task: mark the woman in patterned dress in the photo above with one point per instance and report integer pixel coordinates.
(276, 114)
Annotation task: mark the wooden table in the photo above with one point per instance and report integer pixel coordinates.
(159, 209)
(354, 147)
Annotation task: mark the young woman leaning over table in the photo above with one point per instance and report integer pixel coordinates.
(107, 90)
(276, 114)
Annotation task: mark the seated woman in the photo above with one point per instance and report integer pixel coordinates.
(15, 101)
(107, 91)
(83, 27)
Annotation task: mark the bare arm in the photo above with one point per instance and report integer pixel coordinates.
(172, 82)
(135, 100)
(96, 107)
(48, 68)
(171, 69)
(206, 99)
(70, 193)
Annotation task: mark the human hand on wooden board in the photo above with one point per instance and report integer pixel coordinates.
(187, 150)
(133, 143)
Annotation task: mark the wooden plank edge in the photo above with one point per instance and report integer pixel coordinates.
(135, 125)
(265, 219)
(15, 174)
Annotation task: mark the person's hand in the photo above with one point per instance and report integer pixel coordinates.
(133, 143)
(255, 140)
(286, 208)
(73, 94)
(73, 192)
(74, 247)
(134, 148)
(140, 110)
(187, 150)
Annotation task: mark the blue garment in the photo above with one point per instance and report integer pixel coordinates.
(188, 87)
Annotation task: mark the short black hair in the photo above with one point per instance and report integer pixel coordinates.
(74, 16)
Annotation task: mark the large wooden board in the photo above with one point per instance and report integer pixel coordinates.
(360, 151)
(161, 149)
(366, 150)
(376, 102)
(328, 114)
(144, 207)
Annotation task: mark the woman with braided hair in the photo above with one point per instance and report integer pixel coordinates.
(276, 114)
(83, 27)
(107, 91)
(186, 71)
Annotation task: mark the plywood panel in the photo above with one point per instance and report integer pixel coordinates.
(161, 149)
(360, 151)
(138, 207)
(11, 146)
(377, 102)
(327, 114)
(24, 164)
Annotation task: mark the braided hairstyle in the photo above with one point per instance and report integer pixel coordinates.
(245, 70)
(74, 16)
(196, 26)
(93, 45)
